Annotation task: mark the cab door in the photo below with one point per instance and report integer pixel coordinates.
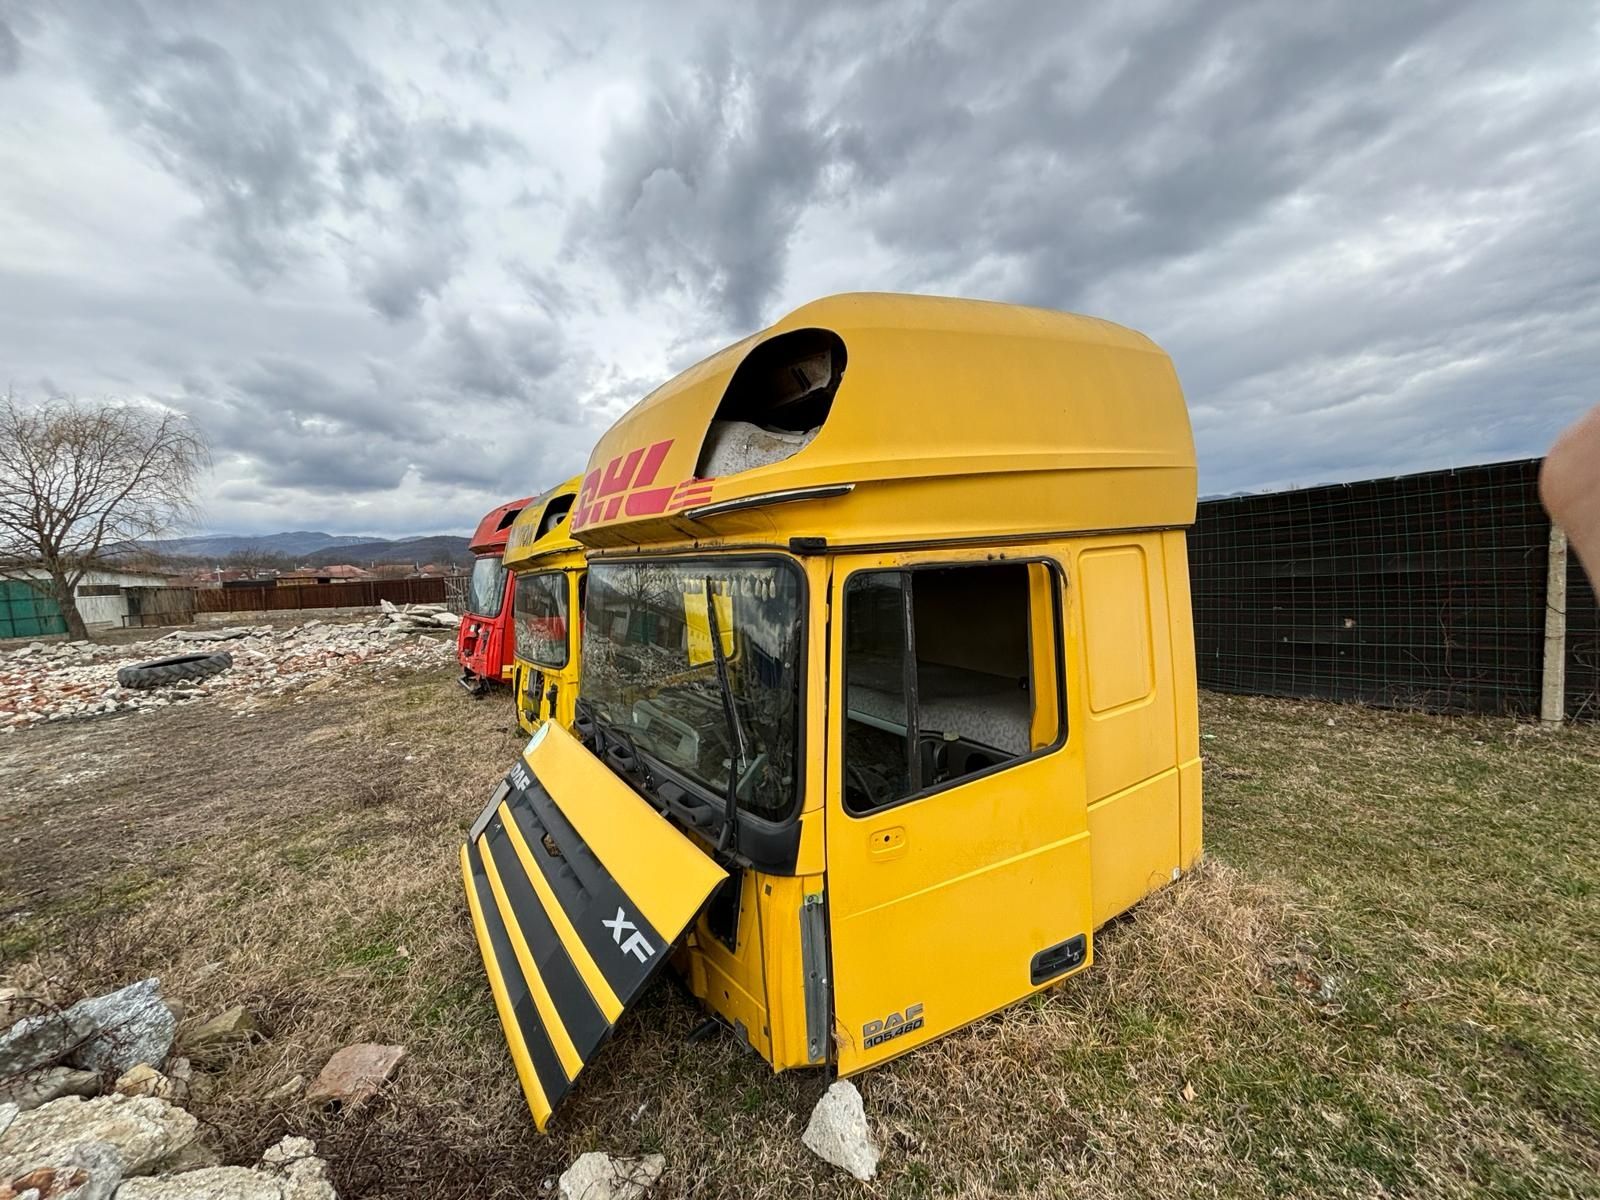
(957, 835)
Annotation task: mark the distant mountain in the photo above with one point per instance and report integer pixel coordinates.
(438, 549)
(220, 545)
(315, 549)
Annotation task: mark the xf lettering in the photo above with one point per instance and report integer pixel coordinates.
(636, 944)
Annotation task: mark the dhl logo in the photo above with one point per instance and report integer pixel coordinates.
(626, 486)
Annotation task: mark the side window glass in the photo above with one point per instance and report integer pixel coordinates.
(877, 763)
(539, 616)
(980, 690)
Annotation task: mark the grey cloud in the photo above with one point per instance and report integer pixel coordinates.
(296, 146)
(702, 192)
(246, 149)
(10, 50)
(503, 358)
(298, 391)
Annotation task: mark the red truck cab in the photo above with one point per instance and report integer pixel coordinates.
(484, 641)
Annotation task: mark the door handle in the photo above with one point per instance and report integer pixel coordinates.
(886, 844)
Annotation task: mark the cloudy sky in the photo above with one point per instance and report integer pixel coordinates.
(402, 262)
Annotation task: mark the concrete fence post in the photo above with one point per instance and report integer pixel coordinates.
(1552, 704)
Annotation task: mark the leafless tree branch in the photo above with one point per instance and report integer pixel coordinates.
(81, 482)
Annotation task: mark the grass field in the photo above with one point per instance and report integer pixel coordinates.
(1384, 981)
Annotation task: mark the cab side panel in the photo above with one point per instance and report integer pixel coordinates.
(1128, 730)
(1186, 710)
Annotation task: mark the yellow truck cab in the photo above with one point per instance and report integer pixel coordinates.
(888, 690)
(546, 568)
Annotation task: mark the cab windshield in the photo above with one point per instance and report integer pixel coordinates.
(487, 588)
(650, 669)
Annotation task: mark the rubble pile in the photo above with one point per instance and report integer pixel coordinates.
(127, 1140)
(60, 680)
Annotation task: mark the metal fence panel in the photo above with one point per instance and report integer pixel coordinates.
(1424, 591)
(28, 611)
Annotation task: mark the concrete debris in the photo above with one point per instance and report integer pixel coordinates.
(597, 1176)
(34, 1088)
(147, 1135)
(838, 1132)
(354, 1075)
(206, 635)
(68, 680)
(131, 1026)
(289, 1170)
(421, 616)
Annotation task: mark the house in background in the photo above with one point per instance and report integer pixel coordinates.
(28, 610)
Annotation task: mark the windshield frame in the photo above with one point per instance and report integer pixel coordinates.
(472, 589)
(667, 771)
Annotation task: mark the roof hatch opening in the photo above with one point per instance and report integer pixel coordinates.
(506, 518)
(775, 404)
(558, 507)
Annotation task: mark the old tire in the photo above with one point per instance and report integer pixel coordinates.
(162, 672)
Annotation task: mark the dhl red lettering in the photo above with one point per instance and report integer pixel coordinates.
(653, 458)
(586, 494)
(651, 500)
(690, 496)
(612, 508)
(619, 473)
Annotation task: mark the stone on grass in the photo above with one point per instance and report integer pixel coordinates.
(132, 1026)
(147, 1135)
(145, 1080)
(40, 1041)
(231, 1027)
(37, 1087)
(354, 1075)
(289, 1170)
(838, 1132)
(288, 1093)
(597, 1176)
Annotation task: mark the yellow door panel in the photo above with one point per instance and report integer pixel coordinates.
(959, 878)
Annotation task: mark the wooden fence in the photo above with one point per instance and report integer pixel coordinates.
(360, 594)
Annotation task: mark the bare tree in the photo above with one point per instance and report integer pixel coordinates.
(81, 481)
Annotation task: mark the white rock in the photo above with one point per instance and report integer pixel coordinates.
(597, 1176)
(147, 1134)
(289, 1170)
(838, 1132)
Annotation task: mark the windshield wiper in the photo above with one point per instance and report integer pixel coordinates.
(612, 746)
(730, 812)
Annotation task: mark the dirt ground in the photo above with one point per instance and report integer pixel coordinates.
(1384, 981)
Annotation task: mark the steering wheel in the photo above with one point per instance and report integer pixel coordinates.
(864, 784)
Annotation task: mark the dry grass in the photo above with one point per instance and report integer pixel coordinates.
(1383, 982)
